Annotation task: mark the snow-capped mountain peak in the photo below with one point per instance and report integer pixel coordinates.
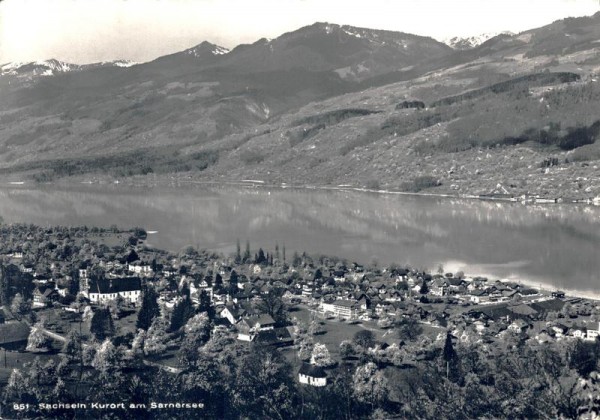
(206, 47)
(52, 67)
(466, 43)
(120, 63)
(220, 50)
(37, 68)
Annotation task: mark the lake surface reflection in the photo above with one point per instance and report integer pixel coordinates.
(557, 245)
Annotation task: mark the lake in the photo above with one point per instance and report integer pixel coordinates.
(553, 245)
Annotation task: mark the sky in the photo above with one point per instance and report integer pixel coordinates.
(86, 31)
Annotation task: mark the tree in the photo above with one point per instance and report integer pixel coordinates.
(137, 345)
(204, 383)
(205, 305)
(182, 311)
(89, 352)
(197, 332)
(116, 307)
(315, 327)
(107, 359)
(233, 283)
(320, 356)
(156, 338)
(102, 325)
(260, 257)
(132, 256)
(72, 348)
(449, 354)
(424, 288)
(364, 339)
(584, 357)
(149, 309)
(305, 349)
(369, 385)
(19, 307)
(246, 257)
(273, 305)
(296, 260)
(218, 280)
(396, 355)
(38, 341)
(409, 329)
(218, 342)
(263, 386)
(384, 322)
(346, 349)
(60, 392)
(4, 298)
(238, 252)
(19, 388)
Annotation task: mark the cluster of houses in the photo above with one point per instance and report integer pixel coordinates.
(333, 289)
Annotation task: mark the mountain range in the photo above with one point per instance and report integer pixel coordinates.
(325, 104)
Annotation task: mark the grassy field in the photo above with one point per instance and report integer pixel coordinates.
(337, 331)
(127, 324)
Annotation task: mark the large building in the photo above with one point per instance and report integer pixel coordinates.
(104, 290)
(341, 308)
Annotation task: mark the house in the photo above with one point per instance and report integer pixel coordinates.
(559, 294)
(479, 326)
(518, 326)
(62, 291)
(522, 311)
(140, 268)
(479, 296)
(307, 290)
(491, 312)
(27, 268)
(276, 337)
(17, 254)
(579, 332)
(44, 295)
(262, 322)
(363, 302)
(559, 330)
(14, 335)
(592, 333)
(395, 296)
(104, 290)
(439, 286)
(341, 308)
(339, 276)
(249, 327)
(233, 313)
(312, 375)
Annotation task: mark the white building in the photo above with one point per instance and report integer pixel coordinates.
(104, 290)
(342, 308)
(312, 375)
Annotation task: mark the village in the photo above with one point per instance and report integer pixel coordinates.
(108, 290)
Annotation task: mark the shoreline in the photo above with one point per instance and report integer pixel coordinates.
(523, 200)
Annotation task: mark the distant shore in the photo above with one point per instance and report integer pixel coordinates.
(170, 182)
